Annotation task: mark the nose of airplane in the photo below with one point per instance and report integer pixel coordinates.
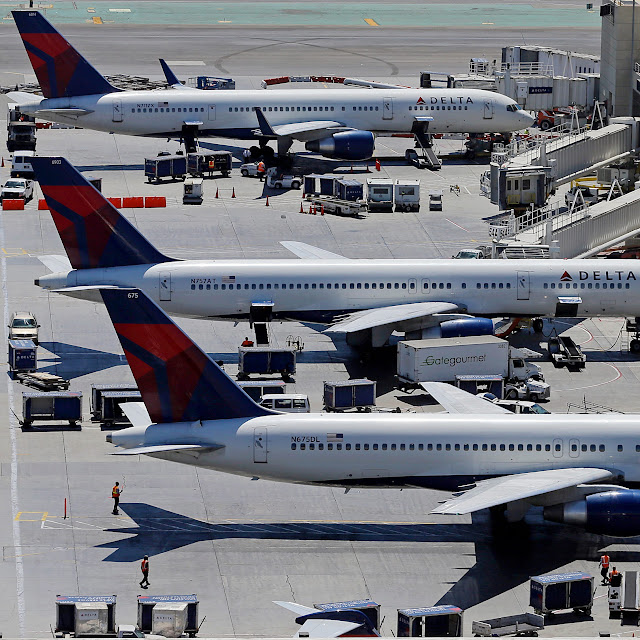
(527, 119)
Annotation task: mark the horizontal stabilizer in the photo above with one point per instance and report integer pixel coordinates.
(300, 609)
(308, 252)
(160, 448)
(320, 628)
(24, 97)
(85, 287)
(137, 414)
(71, 112)
(55, 264)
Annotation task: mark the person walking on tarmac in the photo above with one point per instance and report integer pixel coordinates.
(261, 168)
(615, 578)
(115, 494)
(144, 567)
(604, 568)
(247, 343)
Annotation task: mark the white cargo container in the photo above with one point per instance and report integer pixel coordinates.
(442, 359)
(92, 619)
(406, 194)
(169, 619)
(380, 194)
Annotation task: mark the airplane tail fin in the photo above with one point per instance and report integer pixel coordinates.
(172, 79)
(177, 380)
(61, 71)
(94, 233)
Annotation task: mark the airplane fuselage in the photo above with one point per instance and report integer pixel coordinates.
(230, 114)
(321, 290)
(440, 451)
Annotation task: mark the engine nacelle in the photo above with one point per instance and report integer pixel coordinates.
(345, 145)
(460, 327)
(612, 513)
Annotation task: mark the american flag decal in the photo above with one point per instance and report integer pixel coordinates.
(334, 437)
(228, 278)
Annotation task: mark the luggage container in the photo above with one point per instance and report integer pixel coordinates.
(111, 413)
(193, 191)
(86, 615)
(52, 406)
(258, 388)
(349, 394)
(206, 163)
(430, 622)
(169, 619)
(406, 194)
(559, 591)
(266, 360)
(630, 595)
(97, 390)
(165, 167)
(478, 383)
(348, 190)
(22, 355)
(380, 194)
(369, 608)
(147, 604)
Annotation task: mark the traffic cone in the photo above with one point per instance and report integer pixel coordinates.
(301, 209)
(217, 196)
(267, 203)
(377, 164)
(322, 210)
(233, 192)
(310, 209)
(351, 168)
(3, 161)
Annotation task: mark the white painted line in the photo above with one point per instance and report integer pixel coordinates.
(17, 544)
(597, 384)
(185, 63)
(456, 225)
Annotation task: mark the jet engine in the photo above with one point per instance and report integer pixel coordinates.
(460, 327)
(345, 145)
(611, 513)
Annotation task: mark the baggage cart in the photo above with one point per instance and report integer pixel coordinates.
(43, 381)
(22, 355)
(521, 624)
(110, 412)
(51, 406)
(255, 389)
(97, 391)
(266, 360)
(556, 592)
(380, 194)
(193, 191)
(86, 615)
(563, 351)
(369, 608)
(350, 394)
(147, 604)
(430, 622)
(174, 167)
(331, 204)
(205, 163)
(630, 596)
(348, 190)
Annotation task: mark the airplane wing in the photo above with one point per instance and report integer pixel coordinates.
(496, 491)
(306, 251)
(137, 413)
(456, 400)
(320, 628)
(298, 609)
(312, 130)
(371, 318)
(56, 263)
(160, 448)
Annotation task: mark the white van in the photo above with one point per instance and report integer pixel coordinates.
(21, 164)
(286, 402)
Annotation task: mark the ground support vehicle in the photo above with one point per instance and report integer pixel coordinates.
(286, 402)
(21, 164)
(561, 591)
(275, 179)
(406, 195)
(192, 191)
(564, 352)
(249, 169)
(266, 360)
(331, 204)
(530, 389)
(174, 167)
(17, 189)
(53, 406)
(380, 194)
(22, 356)
(349, 394)
(23, 326)
(206, 163)
(21, 131)
(435, 200)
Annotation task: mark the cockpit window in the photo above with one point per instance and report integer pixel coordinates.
(513, 107)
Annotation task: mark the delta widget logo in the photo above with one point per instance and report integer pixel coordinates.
(565, 277)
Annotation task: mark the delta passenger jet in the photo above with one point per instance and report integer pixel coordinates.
(337, 124)
(364, 299)
(580, 468)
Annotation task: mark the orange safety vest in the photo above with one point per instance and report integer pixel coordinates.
(614, 572)
(144, 565)
(115, 492)
(261, 167)
(247, 343)
(210, 164)
(604, 561)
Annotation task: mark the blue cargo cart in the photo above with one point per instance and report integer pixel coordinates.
(369, 608)
(111, 413)
(475, 384)
(22, 355)
(67, 621)
(174, 167)
(559, 591)
(51, 406)
(207, 162)
(97, 390)
(430, 622)
(147, 603)
(266, 360)
(350, 394)
(348, 190)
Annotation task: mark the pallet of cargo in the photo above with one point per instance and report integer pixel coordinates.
(43, 381)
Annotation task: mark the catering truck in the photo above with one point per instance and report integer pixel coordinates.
(443, 359)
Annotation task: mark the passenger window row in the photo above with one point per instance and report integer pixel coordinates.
(493, 285)
(587, 285)
(329, 285)
(169, 110)
(437, 107)
(236, 109)
(451, 447)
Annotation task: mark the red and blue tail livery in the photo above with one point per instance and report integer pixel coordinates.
(177, 380)
(61, 71)
(94, 233)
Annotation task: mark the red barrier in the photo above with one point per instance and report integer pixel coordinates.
(13, 205)
(133, 203)
(42, 205)
(151, 202)
(116, 202)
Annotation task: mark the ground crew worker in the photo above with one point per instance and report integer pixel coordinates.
(115, 494)
(261, 170)
(246, 154)
(604, 568)
(247, 343)
(144, 567)
(615, 578)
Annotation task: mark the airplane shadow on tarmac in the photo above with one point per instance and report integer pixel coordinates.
(506, 555)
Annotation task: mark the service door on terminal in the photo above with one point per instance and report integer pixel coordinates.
(260, 445)
(165, 286)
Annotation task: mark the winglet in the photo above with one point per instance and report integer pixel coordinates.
(265, 127)
(172, 79)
